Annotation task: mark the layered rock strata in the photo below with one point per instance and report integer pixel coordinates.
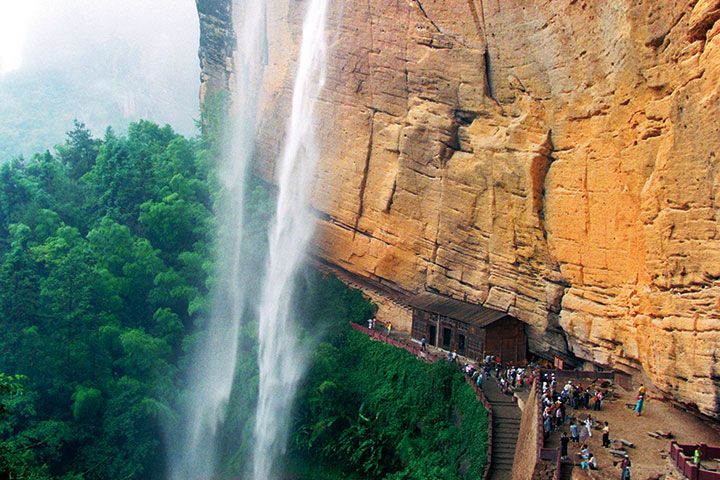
(557, 160)
(217, 43)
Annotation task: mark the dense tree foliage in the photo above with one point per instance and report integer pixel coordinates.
(385, 414)
(105, 246)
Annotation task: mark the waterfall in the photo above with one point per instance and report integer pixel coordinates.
(281, 359)
(193, 446)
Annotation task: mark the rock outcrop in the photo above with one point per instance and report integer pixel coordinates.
(554, 159)
(217, 43)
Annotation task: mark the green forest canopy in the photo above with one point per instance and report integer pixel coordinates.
(105, 258)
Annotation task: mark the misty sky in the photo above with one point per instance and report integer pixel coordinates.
(105, 62)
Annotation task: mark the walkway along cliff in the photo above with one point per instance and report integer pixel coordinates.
(554, 161)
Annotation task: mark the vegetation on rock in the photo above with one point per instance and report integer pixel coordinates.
(386, 414)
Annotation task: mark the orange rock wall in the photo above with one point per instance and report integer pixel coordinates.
(557, 160)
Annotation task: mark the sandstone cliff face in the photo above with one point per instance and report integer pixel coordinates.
(554, 159)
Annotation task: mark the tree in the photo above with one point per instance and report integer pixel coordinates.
(17, 454)
(79, 151)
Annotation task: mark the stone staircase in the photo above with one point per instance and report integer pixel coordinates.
(506, 424)
(566, 470)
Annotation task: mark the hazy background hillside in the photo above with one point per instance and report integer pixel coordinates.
(102, 62)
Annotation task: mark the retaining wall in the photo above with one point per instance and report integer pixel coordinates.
(682, 458)
(532, 460)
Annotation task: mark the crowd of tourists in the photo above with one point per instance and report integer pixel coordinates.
(555, 401)
(509, 378)
(561, 406)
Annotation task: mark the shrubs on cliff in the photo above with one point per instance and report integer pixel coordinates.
(388, 415)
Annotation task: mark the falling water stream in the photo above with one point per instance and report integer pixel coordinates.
(193, 446)
(281, 359)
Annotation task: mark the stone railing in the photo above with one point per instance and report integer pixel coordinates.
(411, 347)
(416, 350)
(682, 458)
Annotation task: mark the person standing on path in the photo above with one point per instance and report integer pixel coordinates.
(574, 434)
(423, 344)
(606, 435)
(639, 405)
(625, 468)
(583, 434)
(389, 328)
(564, 440)
(588, 425)
(547, 426)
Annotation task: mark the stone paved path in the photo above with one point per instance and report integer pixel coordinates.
(506, 424)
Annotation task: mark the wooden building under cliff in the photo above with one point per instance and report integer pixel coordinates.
(472, 330)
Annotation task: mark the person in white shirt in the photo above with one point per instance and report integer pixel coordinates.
(588, 425)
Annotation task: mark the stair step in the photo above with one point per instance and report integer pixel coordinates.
(504, 452)
(507, 460)
(507, 447)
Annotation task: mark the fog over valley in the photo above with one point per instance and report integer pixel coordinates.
(102, 62)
